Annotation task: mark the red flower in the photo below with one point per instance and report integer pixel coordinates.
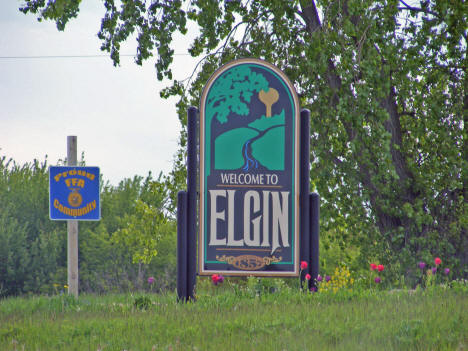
(303, 265)
(217, 279)
(437, 261)
(373, 266)
(380, 267)
(307, 276)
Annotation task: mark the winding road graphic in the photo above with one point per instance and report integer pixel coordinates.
(250, 161)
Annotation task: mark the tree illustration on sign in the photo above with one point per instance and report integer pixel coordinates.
(256, 145)
(268, 98)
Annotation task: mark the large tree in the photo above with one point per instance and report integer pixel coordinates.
(386, 85)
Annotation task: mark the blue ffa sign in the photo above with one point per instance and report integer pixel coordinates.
(74, 193)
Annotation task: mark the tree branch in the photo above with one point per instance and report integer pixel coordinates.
(310, 16)
(416, 9)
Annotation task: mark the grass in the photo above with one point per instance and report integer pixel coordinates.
(230, 319)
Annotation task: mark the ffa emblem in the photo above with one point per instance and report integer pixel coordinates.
(75, 199)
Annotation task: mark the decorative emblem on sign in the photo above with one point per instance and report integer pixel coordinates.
(249, 121)
(75, 199)
(248, 262)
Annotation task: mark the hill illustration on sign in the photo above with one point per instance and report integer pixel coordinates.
(252, 138)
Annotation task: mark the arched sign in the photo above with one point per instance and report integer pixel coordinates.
(249, 172)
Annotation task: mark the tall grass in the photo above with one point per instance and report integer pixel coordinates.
(239, 320)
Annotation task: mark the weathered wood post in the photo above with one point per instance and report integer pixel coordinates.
(72, 228)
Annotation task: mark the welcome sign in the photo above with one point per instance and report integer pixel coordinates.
(249, 170)
(74, 193)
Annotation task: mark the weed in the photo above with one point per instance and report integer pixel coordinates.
(142, 302)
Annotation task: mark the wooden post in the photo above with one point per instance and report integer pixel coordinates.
(72, 228)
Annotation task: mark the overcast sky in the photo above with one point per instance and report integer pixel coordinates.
(121, 123)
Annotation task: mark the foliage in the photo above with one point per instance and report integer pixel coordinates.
(30, 245)
(386, 84)
(336, 250)
(141, 230)
(33, 249)
(142, 302)
(340, 279)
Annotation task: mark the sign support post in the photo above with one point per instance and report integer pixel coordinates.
(192, 201)
(187, 217)
(304, 192)
(182, 246)
(72, 228)
(314, 218)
